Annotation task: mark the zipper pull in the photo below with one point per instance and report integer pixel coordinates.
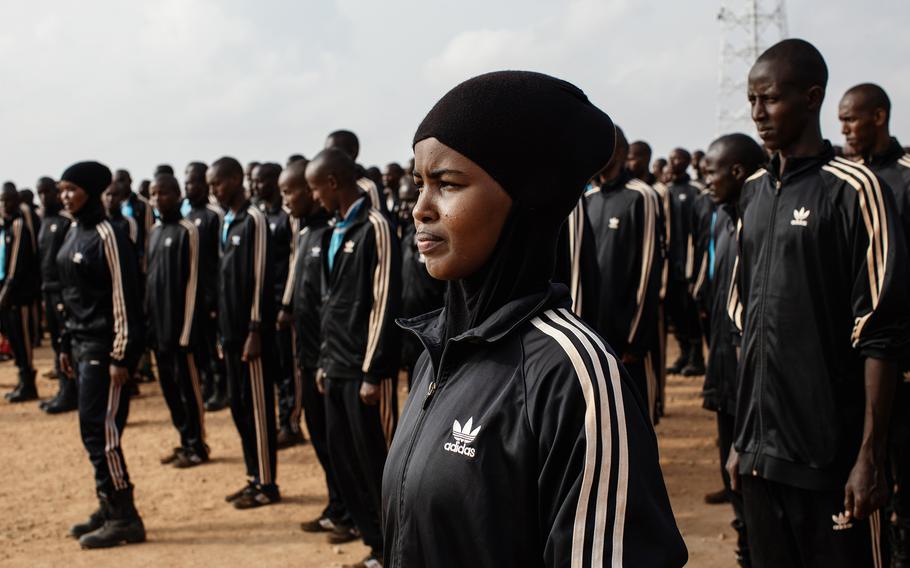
(778, 184)
(430, 390)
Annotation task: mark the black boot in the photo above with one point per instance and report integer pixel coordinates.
(122, 523)
(66, 400)
(26, 390)
(95, 520)
(681, 361)
(219, 399)
(696, 364)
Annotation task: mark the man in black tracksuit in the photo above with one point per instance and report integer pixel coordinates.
(137, 208)
(265, 179)
(576, 263)
(172, 303)
(360, 344)
(821, 296)
(19, 284)
(681, 308)
(246, 317)
(102, 340)
(623, 213)
(864, 112)
(54, 225)
(207, 217)
(730, 160)
(301, 305)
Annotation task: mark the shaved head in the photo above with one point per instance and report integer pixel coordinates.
(333, 162)
(740, 149)
(869, 97)
(228, 167)
(344, 140)
(295, 170)
(167, 182)
(796, 62)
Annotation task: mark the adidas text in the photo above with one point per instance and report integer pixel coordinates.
(459, 448)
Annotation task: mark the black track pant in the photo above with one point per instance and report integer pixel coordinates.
(314, 414)
(253, 410)
(357, 448)
(725, 431)
(683, 313)
(103, 410)
(182, 392)
(17, 326)
(795, 528)
(53, 314)
(208, 362)
(289, 388)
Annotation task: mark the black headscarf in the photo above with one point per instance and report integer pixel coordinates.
(541, 139)
(93, 178)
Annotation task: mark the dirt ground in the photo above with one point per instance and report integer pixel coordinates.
(48, 486)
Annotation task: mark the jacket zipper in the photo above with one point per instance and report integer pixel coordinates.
(761, 319)
(434, 385)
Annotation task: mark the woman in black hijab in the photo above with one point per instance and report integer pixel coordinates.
(523, 442)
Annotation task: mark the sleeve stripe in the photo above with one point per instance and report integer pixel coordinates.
(134, 229)
(904, 161)
(259, 251)
(734, 306)
(872, 207)
(30, 225)
(288, 296)
(647, 257)
(380, 285)
(597, 407)
(112, 255)
(192, 284)
(370, 188)
(216, 210)
(576, 235)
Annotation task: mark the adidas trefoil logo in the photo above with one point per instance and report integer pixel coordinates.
(841, 522)
(464, 436)
(613, 223)
(349, 247)
(800, 217)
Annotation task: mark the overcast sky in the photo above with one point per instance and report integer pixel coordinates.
(134, 84)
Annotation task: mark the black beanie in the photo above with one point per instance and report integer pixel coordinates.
(93, 177)
(538, 136)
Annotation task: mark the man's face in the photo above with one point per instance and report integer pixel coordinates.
(194, 184)
(110, 198)
(264, 183)
(637, 161)
(859, 124)
(781, 111)
(720, 177)
(165, 199)
(9, 203)
(296, 195)
(391, 178)
(679, 163)
(223, 187)
(49, 195)
(325, 189)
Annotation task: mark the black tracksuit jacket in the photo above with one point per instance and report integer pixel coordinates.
(303, 293)
(683, 195)
(821, 285)
(524, 443)
(99, 275)
(361, 297)
(207, 219)
(576, 263)
(719, 390)
(246, 295)
(21, 283)
(173, 284)
(624, 215)
(282, 237)
(54, 227)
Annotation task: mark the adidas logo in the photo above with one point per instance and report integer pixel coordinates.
(464, 436)
(315, 251)
(800, 217)
(349, 247)
(168, 241)
(613, 223)
(841, 522)
(77, 258)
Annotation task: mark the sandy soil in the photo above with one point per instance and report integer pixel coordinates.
(48, 485)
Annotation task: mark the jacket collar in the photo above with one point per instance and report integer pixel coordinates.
(798, 166)
(618, 182)
(892, 154)
(430, 328)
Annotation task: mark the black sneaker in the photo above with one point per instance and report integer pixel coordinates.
(61, 405)
(24, 394)
(677, 366)
(371, 561)
(95, 521)
(322, 524)
(188, 459)
(288, 438)
(216, 402)
(343, 534)
(238, 494)
(172, 457)
(257, 497)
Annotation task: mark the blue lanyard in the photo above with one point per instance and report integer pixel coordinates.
(711, 253)
(228, 219)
